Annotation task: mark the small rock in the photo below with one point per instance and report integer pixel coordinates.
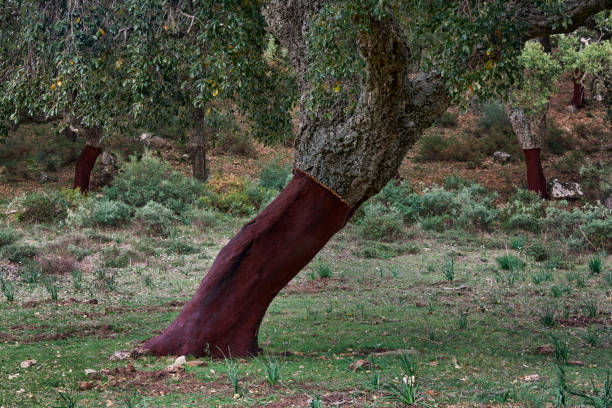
(531, 378)
(571, 109)
(89, 371)
(360, 365)
(501, 157)
(120, 355)
(575, 363)
(564, 191)
(179, 362)
(185, 157)
(195, 363)
(27, 363)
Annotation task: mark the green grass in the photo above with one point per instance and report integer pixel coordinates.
(472, 339)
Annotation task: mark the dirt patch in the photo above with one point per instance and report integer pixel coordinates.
(61, 302)
(157, 382)
(162, 308)
(579, 321)
(100, 331)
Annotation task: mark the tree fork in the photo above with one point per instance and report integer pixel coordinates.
(224, 315)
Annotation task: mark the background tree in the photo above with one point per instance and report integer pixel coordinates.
(365, 97)
(109, 69)
(528, 107)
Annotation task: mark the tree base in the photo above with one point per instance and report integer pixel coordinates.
(84, 166)
(223, 317)
(536, 181)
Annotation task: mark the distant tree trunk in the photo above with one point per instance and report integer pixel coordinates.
(529, 129)
(578, 92)
(87, 159)
(197, 146)
(546, 43)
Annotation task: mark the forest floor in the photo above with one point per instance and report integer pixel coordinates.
(481, 338)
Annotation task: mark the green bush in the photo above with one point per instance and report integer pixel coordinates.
(151, 179)
(556, 140)
(432, 147)
(494, 118)
(8, 236)
(114, 257)
(589, 225)
(538, 251)
(380, 224)
(204, 217)
(104, 212)
(18, 253)
(180, 247)
(156, 218)
(43, 207)
(436, 223)
(274, 175)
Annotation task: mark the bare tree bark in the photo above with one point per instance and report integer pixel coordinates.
(578, 90)
(529, 129)
(197, 146)
(87, 159)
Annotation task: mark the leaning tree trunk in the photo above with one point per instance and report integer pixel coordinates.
(338, 165)
(197, 146)
(578, 90)
(529, 129)
(87, 159)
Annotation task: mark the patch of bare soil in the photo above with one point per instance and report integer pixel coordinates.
(157, 382)
(21, 333)
(60, 302)
(580, 321)
(162, 308)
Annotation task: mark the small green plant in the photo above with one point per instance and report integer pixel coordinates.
(8, 289)
(77, 279)
(315, 402)
(67, 400)
(510, 263)
(106, 280)
(463, 319)
(8, 236)
(561, 349)
(590, 309)
(30, 272)
(549, 316)
(321, 268)
(18, 253)
(591, 337)
(609, 278)
(78, 252)
(271, 366)
(155, 219)
(598, 397)
(180, 247)
(449, 268)
(595, 264)
(51, 286)
(274, 175)
(115, 258)
(233, 374)
(448, 120)
(148, 281)
(541, 276)
(43, 207)
(405, 390)
(556, 291)
(518, 243)
(538, 251)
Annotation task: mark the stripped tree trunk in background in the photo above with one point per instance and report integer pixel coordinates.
(197, 146)
(87, 159)
(578, 91)
(529, 129)
(339, 163)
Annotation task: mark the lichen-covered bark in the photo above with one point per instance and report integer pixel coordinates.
(529, 127)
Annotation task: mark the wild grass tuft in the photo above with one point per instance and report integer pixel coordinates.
(595, 264)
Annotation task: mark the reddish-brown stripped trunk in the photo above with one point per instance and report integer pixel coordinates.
(84, 166)
(224, 315)
(536, 181)
(578, 93)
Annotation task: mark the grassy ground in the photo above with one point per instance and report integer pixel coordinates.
(476, 337)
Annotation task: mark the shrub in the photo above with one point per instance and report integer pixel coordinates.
(436, 223)
(595, 264)
(151, 179)
(203, 217)
(431, 147)
(180, 247)
(274, 175)
(43, 207)
(8, 236)
(380, 224)
(588, 225)
(236, 142)
(510, 262)
(113, 257)
(18, 253)
(228, 194)
(538, 251)
(494, 117)
(156, 218)
(448, 120)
